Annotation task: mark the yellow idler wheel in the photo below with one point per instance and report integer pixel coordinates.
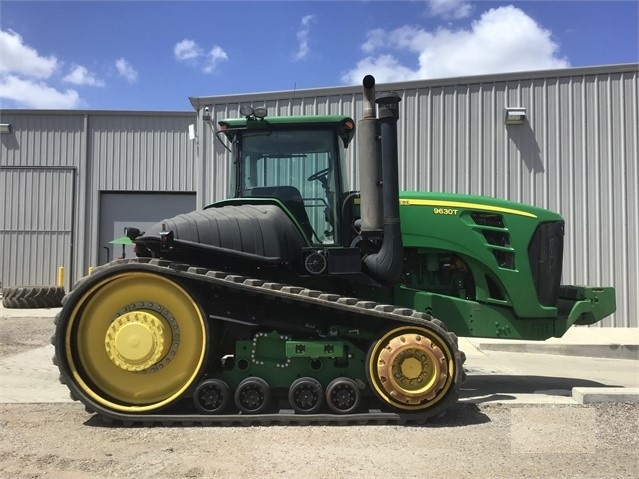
(135, 341)
(411, 368)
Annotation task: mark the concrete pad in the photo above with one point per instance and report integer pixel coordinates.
(503, 377)
(601, 395)
(614, 343)
(614, 351)
(28, 313)
(519, 399)
(31, 377)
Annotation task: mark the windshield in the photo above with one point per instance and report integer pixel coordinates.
(297, 166)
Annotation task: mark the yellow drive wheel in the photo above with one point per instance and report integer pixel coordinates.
(135, 341)
(411, 368)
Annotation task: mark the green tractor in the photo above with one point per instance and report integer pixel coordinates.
(299, 301)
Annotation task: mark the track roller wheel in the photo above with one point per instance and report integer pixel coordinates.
(412, 367)
(343, 396)
(211, 396)
(306, 395)
(252, 395)
(130, 341)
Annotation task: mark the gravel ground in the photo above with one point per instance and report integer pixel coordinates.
(23, 334)
(471, 441)
(62, 441)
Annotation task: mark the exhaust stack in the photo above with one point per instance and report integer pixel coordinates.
(380, 162)
(370, 165)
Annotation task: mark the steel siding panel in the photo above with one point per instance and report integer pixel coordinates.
(42, 140)
(35, 231)
(142, 153)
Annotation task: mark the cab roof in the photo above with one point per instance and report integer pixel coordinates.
(344, 124)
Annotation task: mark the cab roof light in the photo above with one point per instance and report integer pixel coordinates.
(260, 112)
(246, 111)
(257, 112)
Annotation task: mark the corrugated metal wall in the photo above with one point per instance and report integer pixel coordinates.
(53, 166)
(141, 153)
(575, 154)
(35, 226)
(39, 161)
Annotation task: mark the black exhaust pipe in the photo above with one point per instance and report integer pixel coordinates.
(370, 166)
(386, 266)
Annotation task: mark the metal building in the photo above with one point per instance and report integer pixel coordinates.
(71, 180)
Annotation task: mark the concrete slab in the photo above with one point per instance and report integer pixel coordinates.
(614, 343)
(28, 313)
(31, 377)
(602, 395)
(525, 378)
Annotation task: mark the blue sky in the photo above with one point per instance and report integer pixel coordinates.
(153, 55)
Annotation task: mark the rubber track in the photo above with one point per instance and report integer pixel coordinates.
(363, 308)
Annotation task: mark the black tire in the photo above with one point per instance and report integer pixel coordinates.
(253, 395)
(211, 396)
(306, 395)
(343, 396)
(28, 297)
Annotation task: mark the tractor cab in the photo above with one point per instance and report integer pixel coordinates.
(299, 161)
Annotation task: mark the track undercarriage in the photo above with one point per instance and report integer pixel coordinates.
(150, 341)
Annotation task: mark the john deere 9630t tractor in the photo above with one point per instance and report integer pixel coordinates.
(297, 300)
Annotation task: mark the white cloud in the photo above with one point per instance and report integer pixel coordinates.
(190, 52)
(24, 74)
(303, 48)
(187, 50)
(449, 9)
(79, 75)
(36, 94)
(385, 69)
(21, 59)
(503, 39)
(213, 58)
(126, 70)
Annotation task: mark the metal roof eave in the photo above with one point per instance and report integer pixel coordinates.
(43, 111)
(202, 101)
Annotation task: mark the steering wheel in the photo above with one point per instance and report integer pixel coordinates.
(320, 175)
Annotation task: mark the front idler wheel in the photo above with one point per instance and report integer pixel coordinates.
(252, 395)
(306, 395)
(343, 396)
(412, 368)
(131, 342)
(211, 396)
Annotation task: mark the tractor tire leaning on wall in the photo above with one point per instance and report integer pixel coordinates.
(27, 297)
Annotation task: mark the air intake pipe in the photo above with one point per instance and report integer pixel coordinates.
(386, 265)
